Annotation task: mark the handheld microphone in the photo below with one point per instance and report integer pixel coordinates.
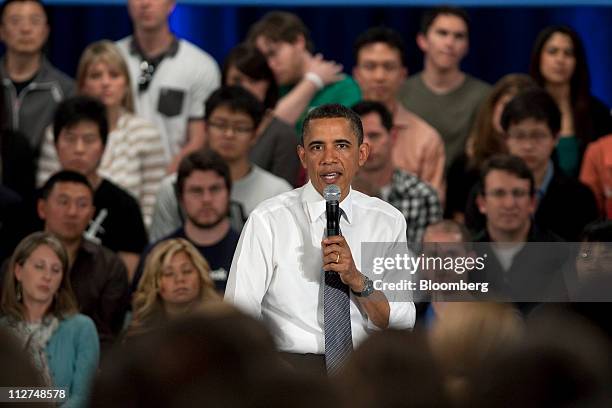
(331, 193)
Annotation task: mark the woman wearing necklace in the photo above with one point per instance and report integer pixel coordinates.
(39, 308)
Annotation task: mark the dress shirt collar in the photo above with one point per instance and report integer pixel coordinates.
(315, 203)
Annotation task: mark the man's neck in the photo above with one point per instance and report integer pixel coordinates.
(539, 174)
(239, 169)
(520, 235)
(72, 248)
(153, 43)
(22, 67)
(379, 178)
(441, 81)
(207, 236)
(95, 180)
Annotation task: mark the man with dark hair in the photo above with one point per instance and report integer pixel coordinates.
(416, 200)
(32, 87)
(203, 188)
(97, 276)
(171, 77)
(380, 70)
(522, 271)
(80, 130)
(446, 97)
(232, 117)
(305, 79)
(276, 272)
(531, 122)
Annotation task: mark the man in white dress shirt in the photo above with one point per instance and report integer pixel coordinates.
(276, 272)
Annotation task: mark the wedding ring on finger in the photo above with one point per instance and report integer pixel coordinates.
(337, 257)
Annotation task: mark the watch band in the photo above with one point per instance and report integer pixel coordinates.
(368, 288)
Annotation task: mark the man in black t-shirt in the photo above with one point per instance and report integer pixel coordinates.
(80, 130)
(203, 189)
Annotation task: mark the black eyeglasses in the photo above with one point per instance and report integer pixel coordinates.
(147, 70)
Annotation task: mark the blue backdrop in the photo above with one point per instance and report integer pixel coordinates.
(501, 37)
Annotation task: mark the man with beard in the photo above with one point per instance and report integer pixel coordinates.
(203, 189)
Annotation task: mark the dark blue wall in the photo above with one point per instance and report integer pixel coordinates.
(500, 43)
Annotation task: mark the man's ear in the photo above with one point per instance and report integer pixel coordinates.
(364, 152)
(301, 154)
(480, 202)
(300, 42)
(422, 42)
(41, 209)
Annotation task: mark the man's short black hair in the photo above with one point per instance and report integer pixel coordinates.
(236, 99)
(534, 103)
(380, 34)
(331, 111)
(78, 109)
(202, 160)
(6, 3)
(366, 107)
(430, 15)
(64, 176)
(510, 164)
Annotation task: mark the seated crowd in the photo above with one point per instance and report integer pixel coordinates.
(123, 195)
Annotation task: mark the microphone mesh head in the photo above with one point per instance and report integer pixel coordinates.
(331, 193)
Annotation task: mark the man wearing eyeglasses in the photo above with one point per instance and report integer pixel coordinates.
(232, 117)
(515, 267)
(171, 78)
(531, 123)
(32, 87)
(380, 71)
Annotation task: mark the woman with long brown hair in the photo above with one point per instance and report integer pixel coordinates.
(558, 64)
(39, 308)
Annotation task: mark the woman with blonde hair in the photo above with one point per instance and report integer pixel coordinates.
(134, 154)
(39, 308)
(485, 139)
(175, 282)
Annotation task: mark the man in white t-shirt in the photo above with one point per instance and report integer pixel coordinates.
(171, 78)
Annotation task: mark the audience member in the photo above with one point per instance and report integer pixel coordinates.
(38, 306)
(596, 172)
(442, 86)
(217, 359)
(232, 117)
(171, 78)
(516, 269)
(97, 276)
(276, 143)
(380, 70)
(416, 200)
(380, 369)
(80, 134)
(486, 138)
(203, 189)
(558, 63)
(306, 80)
(133, 155)
(531, 123)
(175, 282)
(32, 87)
(466, 336)
(595, 255)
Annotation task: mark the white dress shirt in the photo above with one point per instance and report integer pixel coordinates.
(276, 273)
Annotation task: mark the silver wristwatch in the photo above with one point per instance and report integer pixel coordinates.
(368, 288)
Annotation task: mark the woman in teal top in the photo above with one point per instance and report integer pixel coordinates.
(38, 306)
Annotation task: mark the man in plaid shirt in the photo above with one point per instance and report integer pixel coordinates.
(417, 200)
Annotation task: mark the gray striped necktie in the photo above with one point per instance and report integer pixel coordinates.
(337, 322)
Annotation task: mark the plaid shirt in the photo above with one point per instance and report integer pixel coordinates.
(416, 200)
